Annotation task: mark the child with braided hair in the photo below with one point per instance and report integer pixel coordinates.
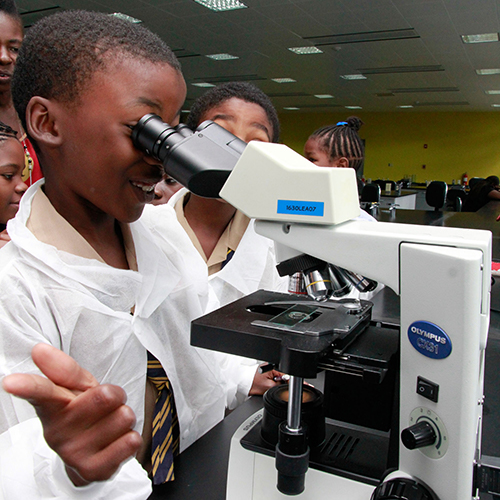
(340, 146)
(337, 146)
(12, 186)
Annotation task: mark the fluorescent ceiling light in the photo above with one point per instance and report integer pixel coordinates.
(405, 106)
(353, 77)
(291, 108)
(221, 57)
(221, 5)
(492, 92)
(354, 107)
(132, 20)
(283, 80)
(491, 71)
(323, 96)
(305, 50)
(203, 84)
(482, 38)
(495, 105)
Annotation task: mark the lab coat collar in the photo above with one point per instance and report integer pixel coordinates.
(117, 288)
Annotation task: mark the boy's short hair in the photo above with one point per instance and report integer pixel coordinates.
(241, 90)
(9, 7)
(61, 53)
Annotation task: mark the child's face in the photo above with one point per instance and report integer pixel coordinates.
(101, 172)
(12, 186)
(165, 189)
(245, 120)
(11, 36)
(316, 155)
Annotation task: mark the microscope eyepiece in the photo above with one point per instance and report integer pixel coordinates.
(201, 160)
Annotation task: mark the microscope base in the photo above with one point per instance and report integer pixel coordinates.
(333, 474)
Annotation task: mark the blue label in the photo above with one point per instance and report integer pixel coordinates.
(430, 340)
(301, 207)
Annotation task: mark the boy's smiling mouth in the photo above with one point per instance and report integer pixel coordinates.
(146, 187)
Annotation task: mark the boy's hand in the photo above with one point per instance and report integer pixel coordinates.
(264, 381)
(88, 425)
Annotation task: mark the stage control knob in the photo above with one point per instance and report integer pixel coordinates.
(419, 435)
(404, 489)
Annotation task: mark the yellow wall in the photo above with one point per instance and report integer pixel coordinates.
(456, 142)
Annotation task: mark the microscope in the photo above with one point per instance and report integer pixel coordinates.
(442, 276)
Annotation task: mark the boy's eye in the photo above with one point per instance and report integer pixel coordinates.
(8, 176)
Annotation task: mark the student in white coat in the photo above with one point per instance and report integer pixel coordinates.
(87, 290)
(239, 261)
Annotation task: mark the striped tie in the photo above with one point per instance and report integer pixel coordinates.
(229, 256)
(165, 425)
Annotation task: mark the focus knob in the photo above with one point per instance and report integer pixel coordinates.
(418, 435)
(402, 489)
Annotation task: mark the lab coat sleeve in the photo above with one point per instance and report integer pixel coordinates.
(238, 374)
(43, 476)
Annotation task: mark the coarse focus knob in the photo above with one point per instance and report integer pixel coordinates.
(402, 489)
(418, 435)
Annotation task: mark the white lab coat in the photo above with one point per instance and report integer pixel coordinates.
(82, 306)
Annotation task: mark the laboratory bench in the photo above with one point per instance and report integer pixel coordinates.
(484, 218)
(405, 199)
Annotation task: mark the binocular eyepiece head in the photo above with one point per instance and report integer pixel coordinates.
(200, 160)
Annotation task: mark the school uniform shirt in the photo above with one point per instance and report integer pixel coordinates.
(61, 293)
(251, 268)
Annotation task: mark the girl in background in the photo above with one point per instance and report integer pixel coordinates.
(12, 186)
(11, 37)
(337, 146)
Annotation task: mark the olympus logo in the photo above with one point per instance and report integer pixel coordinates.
(428, 335)
(429, 339)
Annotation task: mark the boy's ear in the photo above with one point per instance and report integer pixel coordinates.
(41, 121)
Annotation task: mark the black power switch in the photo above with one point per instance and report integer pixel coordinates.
(427, 389)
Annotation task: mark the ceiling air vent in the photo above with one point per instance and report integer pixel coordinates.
(449, 103)
(230, 78)
(183, 53)
(364, 36)
(399, 69)
(424, 90)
